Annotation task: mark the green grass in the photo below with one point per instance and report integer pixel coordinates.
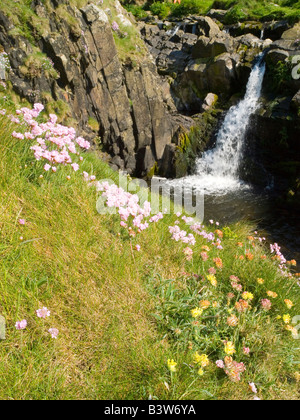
(122, 316)
(238, 10)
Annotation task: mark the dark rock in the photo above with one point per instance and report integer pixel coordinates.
(168, 169)
(296, 102)
(274, 56)
(274, 30)
(217, 14)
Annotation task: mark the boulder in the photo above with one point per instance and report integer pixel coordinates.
(293, 33)
(206, 26)
(211, 47)
(221, 74)
(209, 102)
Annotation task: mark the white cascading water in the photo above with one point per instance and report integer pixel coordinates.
(218, 168)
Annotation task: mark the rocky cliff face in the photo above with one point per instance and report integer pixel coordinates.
(128, 100)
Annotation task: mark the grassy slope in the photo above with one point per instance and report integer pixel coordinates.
(72, 260)
(102, 300)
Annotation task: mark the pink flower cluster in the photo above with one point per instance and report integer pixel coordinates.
(266, 304)
(232, 369)
(40, 313)
(182, 235)
(54, 143)
(134, 217)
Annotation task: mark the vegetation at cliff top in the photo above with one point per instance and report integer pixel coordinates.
(237, 10)
(96, 310)
(31, 26)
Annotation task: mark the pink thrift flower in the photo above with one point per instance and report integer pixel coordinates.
(204, 256)
(22, 222)
(47, 167)
(137, 248)
(253, 387)
(266, 304)
(220, 364)
(246, 350)
(54, 332)
(75, 166)
(43, 313)
(21, 325)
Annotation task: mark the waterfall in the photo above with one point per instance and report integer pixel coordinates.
(219, 167)
(173, 32)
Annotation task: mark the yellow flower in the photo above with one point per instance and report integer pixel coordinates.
(289, 303)
(201, 359)
(278, 317)
(215, 304)
(229, 348)
(260, 281)
(272, 294)
(196, 312)
(247, 296)
(172, 365)
(200, 372)
(286, 319)
(212, 279)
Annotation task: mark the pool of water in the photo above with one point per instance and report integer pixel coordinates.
(234, 201)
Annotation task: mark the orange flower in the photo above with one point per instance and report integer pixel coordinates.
(241, 257)
(249, 256)
(241, 305)
(218, 262)
(219, 233)
(272, 294)
(204, 304)
(240, 244)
